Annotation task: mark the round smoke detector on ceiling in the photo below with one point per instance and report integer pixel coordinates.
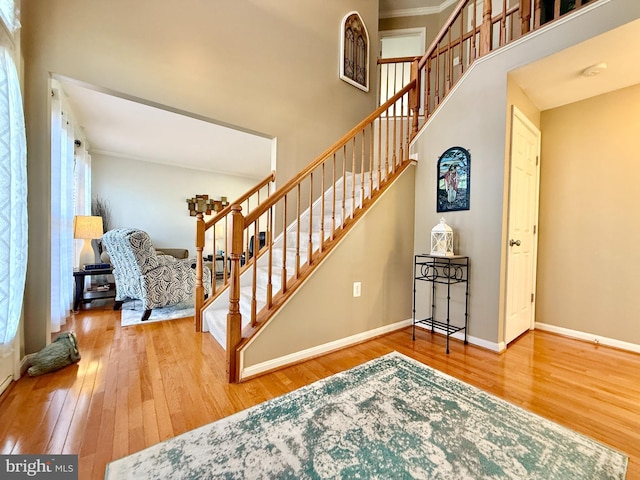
(594, 70)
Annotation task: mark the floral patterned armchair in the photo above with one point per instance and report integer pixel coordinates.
(142, 274)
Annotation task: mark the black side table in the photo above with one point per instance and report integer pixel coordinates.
(447, 271)
(85, 297)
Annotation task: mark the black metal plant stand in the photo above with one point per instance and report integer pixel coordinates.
(446, 271)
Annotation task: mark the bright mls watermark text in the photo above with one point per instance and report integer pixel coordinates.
(39, 467)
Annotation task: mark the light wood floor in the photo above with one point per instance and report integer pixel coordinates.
(136, 386)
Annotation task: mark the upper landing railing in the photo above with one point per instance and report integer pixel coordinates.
(474, 29)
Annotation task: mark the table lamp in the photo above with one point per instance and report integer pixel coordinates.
(87, 228)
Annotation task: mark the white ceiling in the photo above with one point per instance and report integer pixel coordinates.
(557, 79)
(123, 128)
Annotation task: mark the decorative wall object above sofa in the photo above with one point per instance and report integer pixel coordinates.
(204, 204)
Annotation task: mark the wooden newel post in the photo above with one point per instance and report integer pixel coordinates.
(525, 16)
(486, 29)
(414, 97)
(199, 300)
(234, 317)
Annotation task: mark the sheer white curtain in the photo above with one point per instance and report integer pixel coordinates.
(13, 199)
(70, 195)
(62, 187)
(8, 14)
(82, 187)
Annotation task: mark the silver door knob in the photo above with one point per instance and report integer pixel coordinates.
(513, 242)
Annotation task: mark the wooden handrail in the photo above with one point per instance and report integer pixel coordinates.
(469, 33)
(443, 31)
(201, 228)
(392, 125)
(361, 164)
(282, 191)
(382, 61)
(227, 210)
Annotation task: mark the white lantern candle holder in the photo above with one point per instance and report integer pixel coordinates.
(442, 240)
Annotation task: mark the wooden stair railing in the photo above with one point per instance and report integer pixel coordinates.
(305, 218)
(220, 225)
(370, 157)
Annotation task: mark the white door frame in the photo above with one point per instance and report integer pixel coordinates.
(403, 32)
(516, 113)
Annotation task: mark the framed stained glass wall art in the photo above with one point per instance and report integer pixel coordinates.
(454, 180)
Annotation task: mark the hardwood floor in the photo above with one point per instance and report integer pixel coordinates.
(136, 386)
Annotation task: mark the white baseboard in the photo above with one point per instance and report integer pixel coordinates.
(5, 383)
(478, 342)
(18, 371)
(246, 372)
(589, 337)
(269, 365)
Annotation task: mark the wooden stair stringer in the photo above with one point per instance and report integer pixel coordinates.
(265, 316)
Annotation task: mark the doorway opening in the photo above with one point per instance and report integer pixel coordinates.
(408, 42)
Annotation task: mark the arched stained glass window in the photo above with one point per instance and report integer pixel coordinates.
(354, 64)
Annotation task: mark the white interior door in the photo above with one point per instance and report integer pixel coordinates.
(523, 220)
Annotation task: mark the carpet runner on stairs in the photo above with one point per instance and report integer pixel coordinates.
(215, 317)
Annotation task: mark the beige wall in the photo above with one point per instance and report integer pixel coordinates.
(378, 253)
(477, 110)
(270, 66)
(476, 117)
(588, 261)
(432, 23)
(159, 193)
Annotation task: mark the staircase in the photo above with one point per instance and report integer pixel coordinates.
(339, 205)
(305, 218)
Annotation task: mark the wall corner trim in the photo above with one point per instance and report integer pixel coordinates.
(309, 353)
(478, 342)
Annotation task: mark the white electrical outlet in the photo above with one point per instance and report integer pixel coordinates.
(357, 289)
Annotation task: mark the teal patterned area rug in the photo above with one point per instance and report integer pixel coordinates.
(390, 418)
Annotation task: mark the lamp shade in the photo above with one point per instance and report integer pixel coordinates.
(87, 227)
